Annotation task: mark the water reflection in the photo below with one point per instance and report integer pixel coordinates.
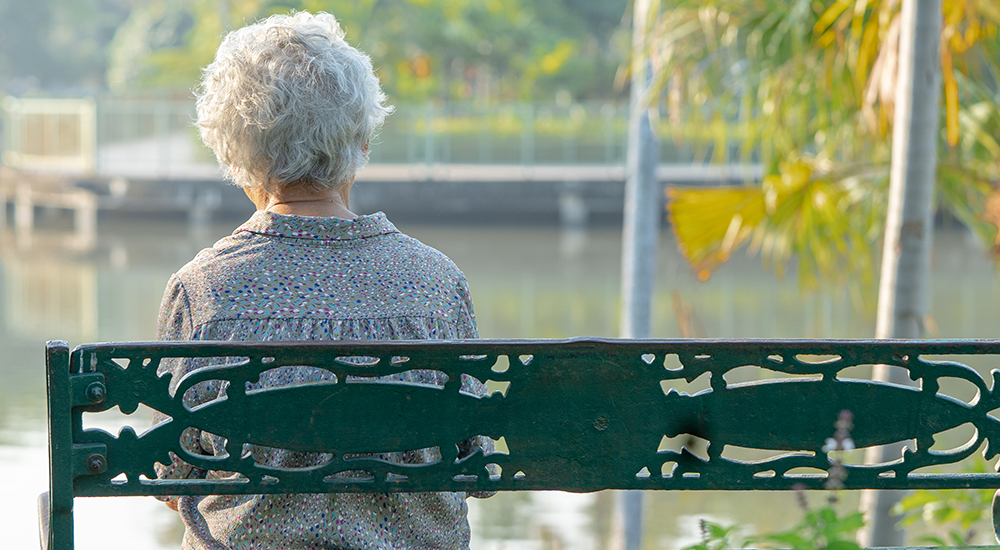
(550, 520)
(44, 297)
(526, 282)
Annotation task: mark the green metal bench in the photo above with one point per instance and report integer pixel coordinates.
(573, 415)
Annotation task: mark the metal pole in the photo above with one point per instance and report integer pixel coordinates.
(639, 237)
(640, 228)
(642, 203)
(903, 284)
(429, 137)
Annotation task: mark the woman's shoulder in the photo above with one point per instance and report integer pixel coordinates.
(373, 264)
(208, 260)
(417, 254)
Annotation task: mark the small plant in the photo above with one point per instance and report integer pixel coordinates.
(718, 537)
(820, 529)
(954, 514)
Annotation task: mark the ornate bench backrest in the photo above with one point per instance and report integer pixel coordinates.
(573, 415)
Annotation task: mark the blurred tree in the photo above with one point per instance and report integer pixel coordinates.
(56, 44)
(423, 49)
(806, 88)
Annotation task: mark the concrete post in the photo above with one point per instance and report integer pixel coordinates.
(24, 209)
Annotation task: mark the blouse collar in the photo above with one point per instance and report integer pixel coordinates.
(317, 228)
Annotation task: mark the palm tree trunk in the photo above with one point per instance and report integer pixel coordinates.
(902, 300)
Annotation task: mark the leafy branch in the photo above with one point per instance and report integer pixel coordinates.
(806, 89)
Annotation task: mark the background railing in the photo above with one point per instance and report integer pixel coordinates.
(155, 136)
(49, 134)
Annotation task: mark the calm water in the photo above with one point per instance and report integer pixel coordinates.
(526, 282)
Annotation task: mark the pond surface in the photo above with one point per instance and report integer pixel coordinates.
(526, 282)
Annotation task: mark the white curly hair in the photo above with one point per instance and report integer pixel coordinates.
(288, 101)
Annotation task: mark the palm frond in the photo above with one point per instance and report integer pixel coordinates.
(809, 88)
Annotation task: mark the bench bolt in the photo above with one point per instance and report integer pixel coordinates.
(601, 423)
(96, 392)
(96, 464)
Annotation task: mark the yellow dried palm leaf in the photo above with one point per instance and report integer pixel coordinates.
(710, 223)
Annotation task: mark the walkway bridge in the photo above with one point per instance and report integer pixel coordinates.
(457, 161)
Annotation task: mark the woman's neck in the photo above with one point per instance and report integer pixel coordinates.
(305, 201)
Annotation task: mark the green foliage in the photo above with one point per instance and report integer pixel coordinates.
(715, 536)
(423, 49)
(820, 529)
(827, 217)
(791, 83)
(952, 514)
(56, 44)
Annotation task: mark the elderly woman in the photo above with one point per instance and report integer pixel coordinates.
(289, 108)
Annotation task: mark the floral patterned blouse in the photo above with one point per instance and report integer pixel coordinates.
(280, 277)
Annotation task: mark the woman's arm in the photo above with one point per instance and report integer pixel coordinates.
(175, 323)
